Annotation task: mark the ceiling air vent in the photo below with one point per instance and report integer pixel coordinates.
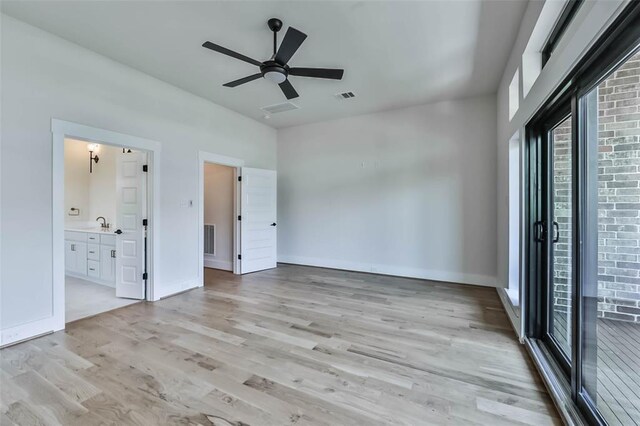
(277, 108)
(345, 95)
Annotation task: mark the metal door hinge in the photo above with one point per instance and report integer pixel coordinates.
(239, 217)
(144, 276)
(239, 178)
(145, 168)
(145, 222)
(239, 257)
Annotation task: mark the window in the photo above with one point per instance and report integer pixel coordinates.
(567, 15)
(514, 94)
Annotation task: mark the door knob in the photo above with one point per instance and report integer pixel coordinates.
(118, 231)
(273, 224)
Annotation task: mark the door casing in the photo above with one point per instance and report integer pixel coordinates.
(236, 164)
(60, 131)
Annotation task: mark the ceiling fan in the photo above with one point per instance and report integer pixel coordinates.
(276, 69)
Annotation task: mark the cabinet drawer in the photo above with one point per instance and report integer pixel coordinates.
(93, 252)
(109, 240)
(75, 236)
(93, 238)
(93, 268)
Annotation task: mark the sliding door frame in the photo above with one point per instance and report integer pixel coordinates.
(616, 45)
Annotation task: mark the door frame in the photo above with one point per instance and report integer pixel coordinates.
(236, 164)
(61, 130)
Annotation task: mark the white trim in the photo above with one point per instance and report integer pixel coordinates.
(175, 288)
(91, 279)
(425, 274)
(60, 130)
(210, 262)
(237, 164)
(513, 312)
(26, 331)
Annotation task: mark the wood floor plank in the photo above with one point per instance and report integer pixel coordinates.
(289, 346)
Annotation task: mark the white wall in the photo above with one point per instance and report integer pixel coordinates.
(93, 193)
(53, 78)
(102, 186)
(406, 192)
(589, 23)
(218, 210)
(76, 180)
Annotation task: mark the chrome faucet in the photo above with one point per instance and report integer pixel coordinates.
(104, 224)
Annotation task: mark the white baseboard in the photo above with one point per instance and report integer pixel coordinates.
(162, 291)
(28, 331)
(399, 271)
(209, 262)
(92, 280)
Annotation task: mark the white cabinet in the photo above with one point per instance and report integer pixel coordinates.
(93, 268)
(75, 257)
(93, 252)
(108, 263)
(91, 256)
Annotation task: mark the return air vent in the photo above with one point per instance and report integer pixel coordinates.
(345, 95)
(210, 239)
(277, 108)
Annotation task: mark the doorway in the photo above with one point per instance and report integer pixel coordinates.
(219, 217)
(105, 208)
(98, 197)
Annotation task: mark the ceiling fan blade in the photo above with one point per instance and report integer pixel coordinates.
(244, 80)
(335, 74)
(231, 53)
(290, 44)
(288, 89)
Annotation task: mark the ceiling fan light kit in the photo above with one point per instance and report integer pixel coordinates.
(276, 69)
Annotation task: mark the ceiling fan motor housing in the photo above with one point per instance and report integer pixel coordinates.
(273, 71)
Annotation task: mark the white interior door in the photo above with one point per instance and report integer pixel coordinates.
(258, 236)
(130, 210)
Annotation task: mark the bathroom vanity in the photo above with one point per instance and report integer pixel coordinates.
(90, 254)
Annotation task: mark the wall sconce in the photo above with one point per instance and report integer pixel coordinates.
(93, 147)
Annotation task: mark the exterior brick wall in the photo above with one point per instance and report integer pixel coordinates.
(619, 198)
(562, 213)
(619, 194)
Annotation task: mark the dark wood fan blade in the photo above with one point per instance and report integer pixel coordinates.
(335, 74)
(288, 90)
(290, 44)
(231, 53)
(244, 80)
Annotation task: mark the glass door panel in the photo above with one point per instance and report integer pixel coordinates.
(559, 230)
(610, 364)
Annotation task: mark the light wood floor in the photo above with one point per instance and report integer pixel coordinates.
(294, 345)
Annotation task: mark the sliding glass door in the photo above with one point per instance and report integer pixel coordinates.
(552, 233)
(610, 367)
(584, 230)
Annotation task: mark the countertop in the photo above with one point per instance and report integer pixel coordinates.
(97, 230)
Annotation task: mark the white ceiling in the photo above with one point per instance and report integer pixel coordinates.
(394, 53)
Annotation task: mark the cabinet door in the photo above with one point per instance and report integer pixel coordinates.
(81, 258)
(69, 256)
(107, 263)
